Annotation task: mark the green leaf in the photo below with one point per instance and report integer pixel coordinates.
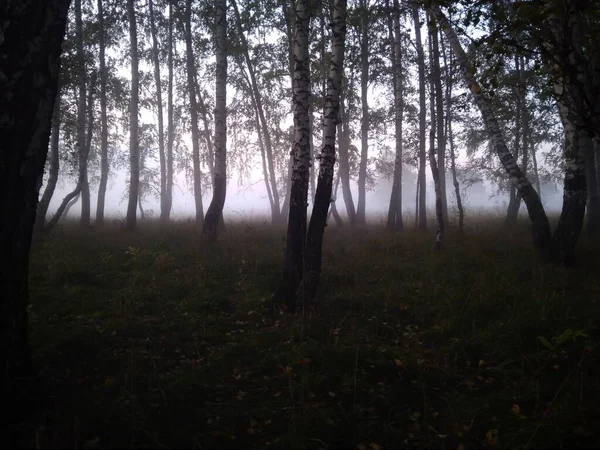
(580, 333)
(564, 337)
(546, 343)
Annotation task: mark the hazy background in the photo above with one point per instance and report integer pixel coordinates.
(249, 199)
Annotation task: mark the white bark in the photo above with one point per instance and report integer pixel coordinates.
(296, 234)
(540, 224)
(215, 210)
(134, 151)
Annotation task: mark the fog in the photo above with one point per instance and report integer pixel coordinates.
(248, 199)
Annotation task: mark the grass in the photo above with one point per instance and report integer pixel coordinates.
(157, 340)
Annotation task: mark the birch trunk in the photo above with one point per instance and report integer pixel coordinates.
(70, 205)
(333, 209)
(266, 178)
(514, 203)
(539, 220)
(166, 213)
(215, 209)
(364, 122)
(83, 154)
(66, 204)
(439, 102)
(422, 209)
(394, 221)
(572, 64)
(159, 112)
(526, 118)
(285, 208)
(433, 162)
(535, 170)
(263, 158)
(84, 220)
(141, 208)
(311, 116)
(316, 228)
(191, 70)
(210, 157)
(103, 119)
(207, 133)
(576, 145)
(323, 95)
(81, 114)
(296, 233)
(134, 151)
(448, 63)
(417, 200)
(42, 209)
(344, 164)
(32, 35)
(525, 121)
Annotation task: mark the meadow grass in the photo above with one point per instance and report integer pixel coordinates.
(155, 339)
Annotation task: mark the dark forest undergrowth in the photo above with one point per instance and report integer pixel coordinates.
(156, 339)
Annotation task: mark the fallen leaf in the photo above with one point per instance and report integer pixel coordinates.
(516, 410)
(492, 436)
(415, 416)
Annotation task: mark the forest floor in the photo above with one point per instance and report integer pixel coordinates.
(156, 339)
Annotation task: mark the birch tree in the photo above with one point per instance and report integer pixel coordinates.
(560, 247)
(439, 111)
(316, 228)
(159, 111)
(577, 144)
(394, 220)
(435, 137)
(343, 137)
(521, 140)
(134, 151)
(296, 231)
(422, 185)
(215, 209)
(449, 67)
(166, 213)
(42, 209)
(82, 151)
(364, 124)
(103, 117)
(191, 85)
(540, 224)
(81, 110)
